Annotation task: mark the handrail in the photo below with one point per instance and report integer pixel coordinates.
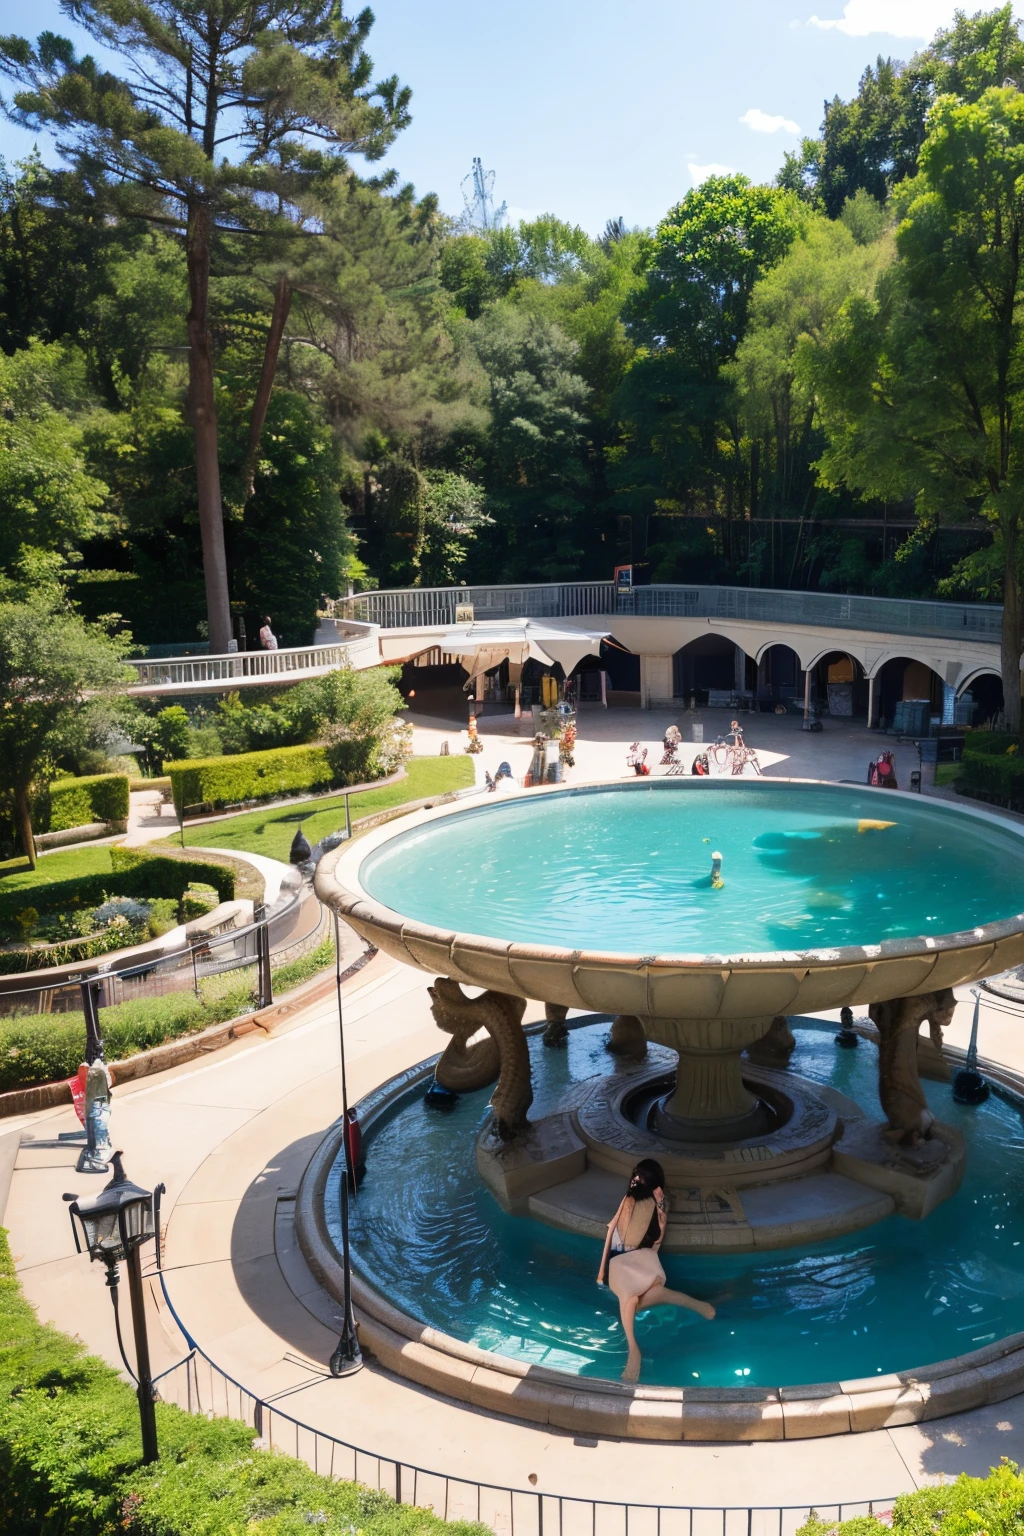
(198, 1385)
(425, 606)
(356, 650)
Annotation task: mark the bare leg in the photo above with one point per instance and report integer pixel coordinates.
(627, 1311)
(661, 1296)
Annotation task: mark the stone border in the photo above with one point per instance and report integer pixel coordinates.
(675, 985)
(595, 1406)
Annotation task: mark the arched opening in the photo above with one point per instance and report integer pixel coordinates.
(980, 700)
(779, 677)
(613, 677)
(839, 685)
(710, 667)
(909, 695)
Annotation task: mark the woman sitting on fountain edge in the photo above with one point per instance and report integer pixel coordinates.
(635, 1233)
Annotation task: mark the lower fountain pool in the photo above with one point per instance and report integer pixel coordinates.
(430, 1238)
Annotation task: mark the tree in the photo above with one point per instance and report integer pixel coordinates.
(231, 110)
(49, 501)
(682, 441)
(923, 382)
(56, 673)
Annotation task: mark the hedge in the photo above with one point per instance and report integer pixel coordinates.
(70, 1456)
(968, 1506)
(219, 781)
(70, 803)
(993, 768)
(134, 872)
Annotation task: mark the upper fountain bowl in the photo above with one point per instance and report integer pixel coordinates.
(600, 896)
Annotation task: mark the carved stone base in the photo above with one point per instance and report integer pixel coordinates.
(627, 1038)
(776, 1047)
(556, 1034)
(917, 1178)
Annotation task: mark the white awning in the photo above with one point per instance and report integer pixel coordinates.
(487, 642)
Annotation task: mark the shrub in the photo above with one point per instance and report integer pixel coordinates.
(219, 781)
(69, 1456)
(70, 803)
(993, 767)
(993, 1504)
(134, 912)
(163, 916)
(134, 872)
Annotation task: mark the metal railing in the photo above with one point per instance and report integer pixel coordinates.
(199, 1386)
(179, 970)
(245, 668)
(422, 606)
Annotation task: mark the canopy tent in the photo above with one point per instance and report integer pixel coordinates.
(487, 642)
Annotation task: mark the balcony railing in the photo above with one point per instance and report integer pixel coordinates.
(248, 668)
(417, 607)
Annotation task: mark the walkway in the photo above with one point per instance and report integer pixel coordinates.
(231, 1137)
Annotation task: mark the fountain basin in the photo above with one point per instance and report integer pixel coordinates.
(434, 864)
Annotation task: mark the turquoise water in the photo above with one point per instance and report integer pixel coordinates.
(627, 869)
(896, 1295)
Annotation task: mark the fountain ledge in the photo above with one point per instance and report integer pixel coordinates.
(497, 1384)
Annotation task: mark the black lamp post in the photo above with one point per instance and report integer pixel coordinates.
(347, 1357)
(112, 1227)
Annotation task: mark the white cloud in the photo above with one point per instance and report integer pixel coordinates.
(898, 18)
(699, 173)
(764, 122)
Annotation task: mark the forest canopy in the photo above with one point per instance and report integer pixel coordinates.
(220, 321)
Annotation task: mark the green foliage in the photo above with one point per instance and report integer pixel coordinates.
(56, 675)
(271, 832)
(964, 1507)
(115, 872)
(70, 1456)
(993, 768)
(77, 802)
(220, 781)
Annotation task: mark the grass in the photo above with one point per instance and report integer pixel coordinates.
(15, 874)
(948, 773)
(70, 1456)
(43, 1048)
(271, 832)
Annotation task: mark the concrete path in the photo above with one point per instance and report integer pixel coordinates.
(231, 1137)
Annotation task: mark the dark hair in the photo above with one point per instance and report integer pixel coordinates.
(646, 1177)
(266, 618)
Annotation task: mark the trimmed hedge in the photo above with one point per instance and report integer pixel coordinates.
(70, 1456)
(219, 781)
(134, 872)
(993, 768)
(68, 803)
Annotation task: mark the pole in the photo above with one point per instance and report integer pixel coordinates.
(264, 982)
(807, 698)
(147, 1412)
(871, 703)
(347, 1357)
(348, 823)
(93, 1040)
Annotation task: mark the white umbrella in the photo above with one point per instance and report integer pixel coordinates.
(487, 642)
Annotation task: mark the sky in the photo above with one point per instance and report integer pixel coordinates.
(596, 109)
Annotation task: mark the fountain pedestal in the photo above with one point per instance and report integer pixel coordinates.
(710, 1100)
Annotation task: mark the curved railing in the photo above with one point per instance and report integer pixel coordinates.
(248, 668)
(199, 1386)
(416, 607)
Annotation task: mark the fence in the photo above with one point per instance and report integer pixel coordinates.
(200, 1386)
(194, 967)
(423, 606)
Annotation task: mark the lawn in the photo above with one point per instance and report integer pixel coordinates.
(271, 832)
(948, 773)
(15, 875)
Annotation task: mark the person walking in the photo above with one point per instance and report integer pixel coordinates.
(268, 639)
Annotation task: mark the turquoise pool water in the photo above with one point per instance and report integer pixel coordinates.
(897, 1295)
(627, 868)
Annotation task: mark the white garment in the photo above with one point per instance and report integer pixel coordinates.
(268, 639)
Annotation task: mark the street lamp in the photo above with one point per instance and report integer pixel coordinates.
(112, 1227)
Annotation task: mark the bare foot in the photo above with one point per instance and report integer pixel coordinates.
(632, 1371)
(706, 1310)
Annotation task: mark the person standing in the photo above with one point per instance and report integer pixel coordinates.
(268, 639)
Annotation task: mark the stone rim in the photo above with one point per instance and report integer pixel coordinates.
(439, 1361)
(471, 957)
